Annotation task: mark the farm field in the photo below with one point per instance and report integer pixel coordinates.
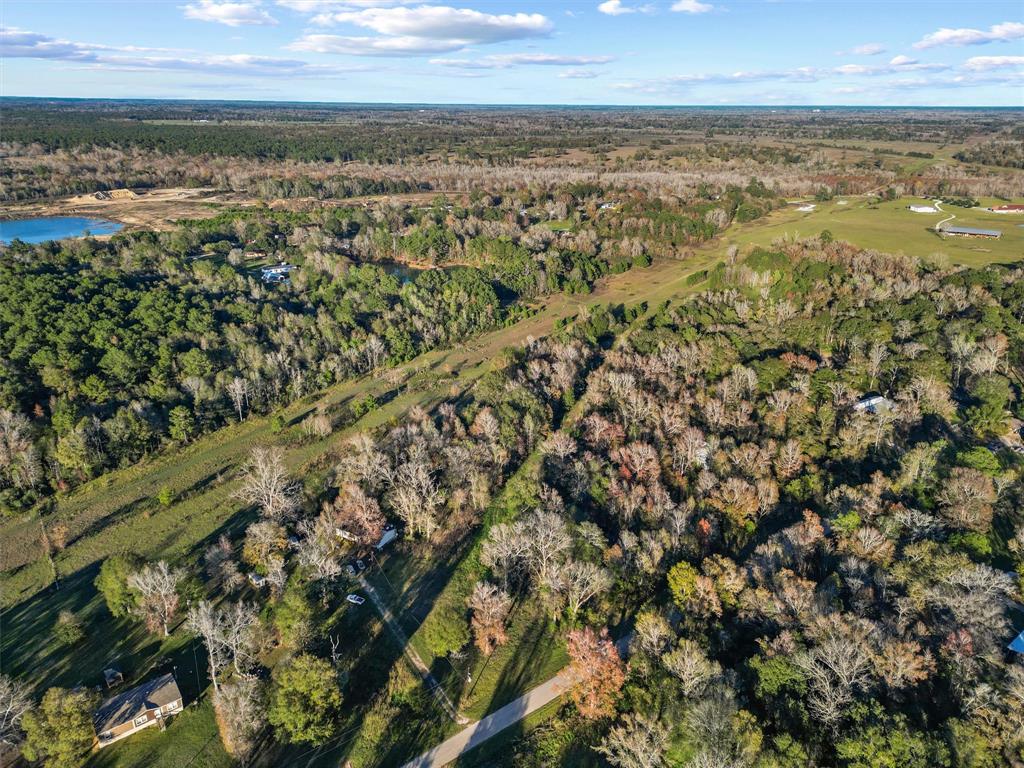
(891, 226)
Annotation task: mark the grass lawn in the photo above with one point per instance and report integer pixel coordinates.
(190, 740)
(535, 652)
(891, 226)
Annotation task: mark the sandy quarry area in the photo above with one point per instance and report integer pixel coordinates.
(158, 209)
(147, 209)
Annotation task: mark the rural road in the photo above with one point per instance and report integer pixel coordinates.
(500, 719)
(414, 658)
(938, 227)
(482, 730)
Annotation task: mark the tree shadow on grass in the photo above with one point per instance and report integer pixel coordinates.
(30, 651)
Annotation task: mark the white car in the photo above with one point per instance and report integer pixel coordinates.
(356, 599)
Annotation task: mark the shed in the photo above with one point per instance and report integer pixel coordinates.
(112, 676)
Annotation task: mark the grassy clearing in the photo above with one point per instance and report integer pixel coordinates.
(535, 652)
(890, 226)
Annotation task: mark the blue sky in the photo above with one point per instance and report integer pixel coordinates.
(520, 51)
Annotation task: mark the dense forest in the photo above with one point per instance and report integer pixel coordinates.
(115, 348)
(815, 582)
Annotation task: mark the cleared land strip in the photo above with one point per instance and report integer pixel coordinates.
(403, 640)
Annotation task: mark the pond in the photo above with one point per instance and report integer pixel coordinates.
(43, 228)
(403, 272)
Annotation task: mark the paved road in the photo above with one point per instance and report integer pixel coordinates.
(494, 723)
(414, 658)
(500, 719)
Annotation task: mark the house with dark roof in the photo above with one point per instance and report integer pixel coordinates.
(139, 708)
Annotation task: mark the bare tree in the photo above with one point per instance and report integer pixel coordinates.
(490, 607)
(207, 621)
(318, 551)
(636, 742)
(836, 669)
(416, 497)
(691, 666)
(358, 514)
(20, 465)
(966, 500)
(277, 577)
(157, 586)
(548, 539)
(240, 626)
(266, 484)
(241, 706)
(238, 391)
(504, 550)
(15, 701)
(582, 581)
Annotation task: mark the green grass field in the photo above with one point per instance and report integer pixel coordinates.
(892, 227)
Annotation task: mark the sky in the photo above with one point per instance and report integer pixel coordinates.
(661, 52)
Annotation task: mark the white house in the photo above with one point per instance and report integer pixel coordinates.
(873, 404)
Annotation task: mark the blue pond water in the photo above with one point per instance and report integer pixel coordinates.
(41, 229)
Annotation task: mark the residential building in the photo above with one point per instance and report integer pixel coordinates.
(138, 708)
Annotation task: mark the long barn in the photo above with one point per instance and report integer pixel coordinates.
(970, 232)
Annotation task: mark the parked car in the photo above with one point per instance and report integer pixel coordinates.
(360, 566)
(356, 599)
(350, 570)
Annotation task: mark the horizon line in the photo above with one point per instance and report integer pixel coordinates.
(547, 105)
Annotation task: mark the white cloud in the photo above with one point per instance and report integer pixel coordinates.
(985, 63)
(320, 6)
(1008, 30)
(439, 22)
(506, 60)
(868, 49)
(18, 43)
(691, 6)
(615, 8)
(421, 31)
(676, 83)
(579, 74)
(231, 14)
(896, 65)
(374, 46)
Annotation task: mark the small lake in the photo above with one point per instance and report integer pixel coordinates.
(43, 228)
(403, 272)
